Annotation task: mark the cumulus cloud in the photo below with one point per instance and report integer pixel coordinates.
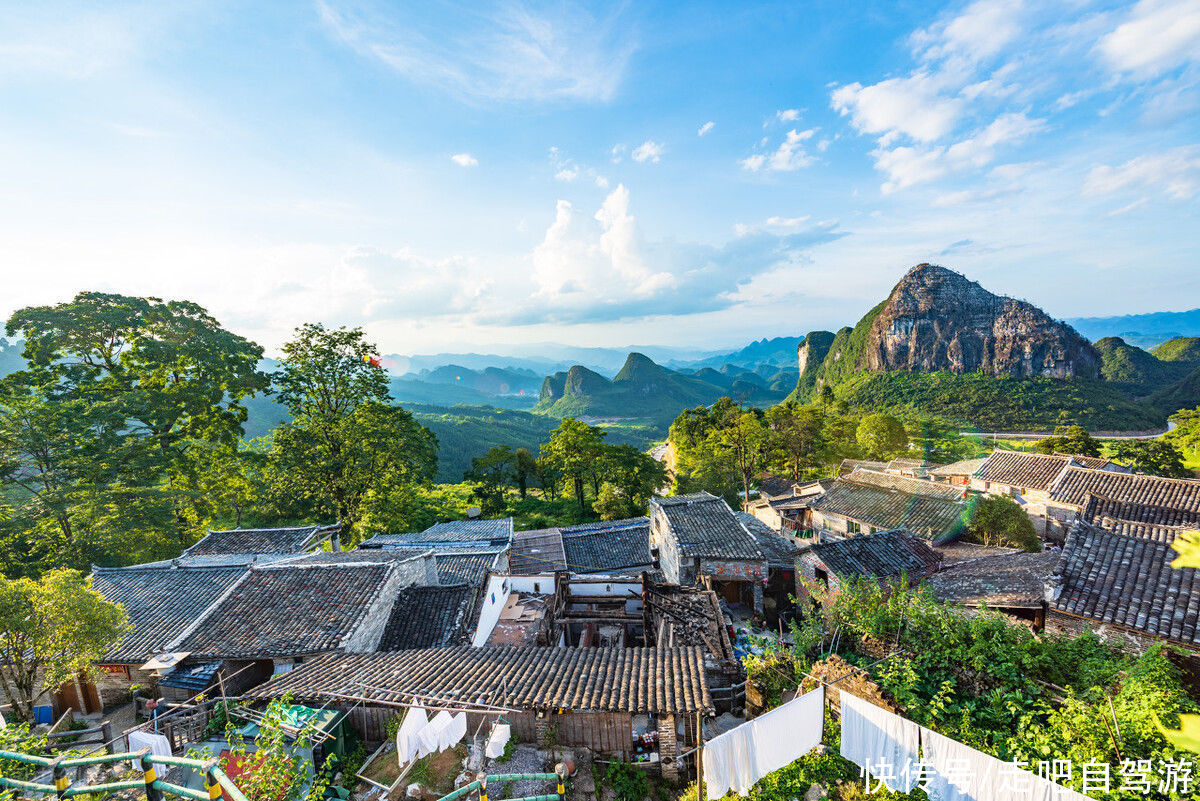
(788, 115)
(601, 266)
(1157, 36)
(648, 151)
(464, 160)
(914, 106)
(1175, 173)
(705, 128)
(979, 31)
(502, 51)
(790, 155)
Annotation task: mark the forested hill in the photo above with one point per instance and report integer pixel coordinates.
(942, 344)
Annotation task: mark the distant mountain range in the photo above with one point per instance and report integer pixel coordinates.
(645, 391)
(1143, 330)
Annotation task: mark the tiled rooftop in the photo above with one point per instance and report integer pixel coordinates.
(883, 555)
(262, 540)
(429, 617)
(1010, 580)
(160, 602)
(281, 611)
(539, 551)
(706, 527)
(478, 533)
(1076, 484)
(1129, 582)
(926, 508)
(612, 546)
(1030, 471)
(781, 552)
(639, 680)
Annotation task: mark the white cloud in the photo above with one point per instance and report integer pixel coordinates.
(705, 128)
(980, 31)
(465, 160)
(1157, 36)
(648, 151)
(1176, 173)
(790, 155)
(506, 52)
(776, 224)
(788, 115)
(913, 106)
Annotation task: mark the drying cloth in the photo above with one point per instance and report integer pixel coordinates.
(406, 736)
(497, 740)
(430, 738)
(881, 742)
(960, 773)
(159, 745)
(455, 731)
(741, 756)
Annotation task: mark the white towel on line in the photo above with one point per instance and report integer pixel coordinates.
(159, 745)
(406, 737)
(960, 773)
(455, 730)
(497, 740)
(432, 737)
(741, 756)
(873, 737)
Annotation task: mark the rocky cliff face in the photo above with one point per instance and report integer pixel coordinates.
(936, 319)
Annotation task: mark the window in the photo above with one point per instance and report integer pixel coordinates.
(822, 576)
(852, 527)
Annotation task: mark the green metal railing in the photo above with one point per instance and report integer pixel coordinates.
(482, 783)
(215, 779)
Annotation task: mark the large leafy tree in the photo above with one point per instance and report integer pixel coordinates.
(1074, 440)
(797, 437)
(742, 441)
(630, 479)
(345, 441)
(882, 436)
(997, 521)
(572, 451)
(95, 431)
(1154, 456)
(493, 474)
(52, 630)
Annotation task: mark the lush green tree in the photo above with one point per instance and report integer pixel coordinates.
(573, 450)
(997, 521)
(345, 440)
(631, 478)
(527, 468)
(797, 437)
(1154, 456)
(493, 474)
(742, 441)
(1186, 431)
(1074, 440)
(51, 631)
(939, 441)
(882, 436)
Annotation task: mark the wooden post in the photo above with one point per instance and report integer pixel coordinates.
(210, 781)
(106, 733)
(699, 755)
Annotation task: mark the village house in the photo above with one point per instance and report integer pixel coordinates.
(1124, 588)
(1011, 582)
(699, 535)
(1173, 499)
(867, 501)
(848, 466)
(602, 699)
(781, 568)
(789, 512)
(1028, 478)
(883, 556)
(910, 468)
(614, 547)
(246, 545)
(537, 551)
(957, 473)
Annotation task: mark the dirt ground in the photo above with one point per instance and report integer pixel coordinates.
(435, 773)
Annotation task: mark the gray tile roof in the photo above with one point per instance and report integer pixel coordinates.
(1159, 523)
(781, 552)
(429, 617)
(1129, 582)
(609, 546)
(706, 527)
(160, 603)
(882, 555)
(967, 467)
(483, 533)
(1076, 483)
(1031, 471)
(850, 465)
(297, 539)
(454, 566)
(1008, 580)
(289, 610)
(1093, 462)
(932, 510)
(539, 551)
(638, 680)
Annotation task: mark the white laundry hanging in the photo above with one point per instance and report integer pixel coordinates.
(455, 730)
(873, 737)
(430, 738)
(406, 737)
(960, 773)
(497, 740)
(737, 759)
(158, 744)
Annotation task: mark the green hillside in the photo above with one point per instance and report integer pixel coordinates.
(818, 343)
(991, 403)
(1179, 349)
(1184, 394)
(1136, 372)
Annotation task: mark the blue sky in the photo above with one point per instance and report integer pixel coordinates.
(469, 176)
